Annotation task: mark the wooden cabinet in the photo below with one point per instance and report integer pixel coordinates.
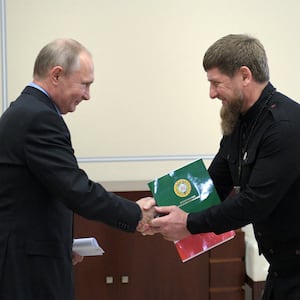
(227, 269)
(148, 267)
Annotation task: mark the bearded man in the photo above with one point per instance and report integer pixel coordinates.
(256, 170)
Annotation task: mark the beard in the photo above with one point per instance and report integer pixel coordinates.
(230, 114)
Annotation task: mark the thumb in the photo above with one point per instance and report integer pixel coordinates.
(163, 210)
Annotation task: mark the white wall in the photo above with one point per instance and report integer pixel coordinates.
(150, 96)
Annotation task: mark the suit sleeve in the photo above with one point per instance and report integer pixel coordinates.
(51, 159)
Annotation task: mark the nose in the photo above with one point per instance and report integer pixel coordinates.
(212, 92)
(86, 93)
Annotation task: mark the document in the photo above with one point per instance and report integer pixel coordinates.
(87, 247)
(190, 188)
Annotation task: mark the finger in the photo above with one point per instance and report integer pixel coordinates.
(149, 231)
(157, 224)
(149, 204)
(163, 209)
(159, 221)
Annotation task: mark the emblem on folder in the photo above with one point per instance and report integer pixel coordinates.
(182, 187)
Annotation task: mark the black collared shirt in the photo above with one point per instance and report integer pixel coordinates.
(269, 179)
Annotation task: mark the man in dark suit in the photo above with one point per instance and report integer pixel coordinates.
(41, 184)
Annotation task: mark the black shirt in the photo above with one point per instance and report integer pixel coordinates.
(269, 180)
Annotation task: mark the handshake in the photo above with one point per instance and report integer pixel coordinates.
(169, 221)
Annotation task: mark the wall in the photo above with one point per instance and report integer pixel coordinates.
(150, 97)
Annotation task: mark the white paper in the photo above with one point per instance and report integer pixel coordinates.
(87, 247)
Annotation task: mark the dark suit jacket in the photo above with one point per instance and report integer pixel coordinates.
(41, 186)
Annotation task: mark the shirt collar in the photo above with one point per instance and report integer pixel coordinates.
(33, 84)
(253, 110)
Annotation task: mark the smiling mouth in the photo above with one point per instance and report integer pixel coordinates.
(223, 101)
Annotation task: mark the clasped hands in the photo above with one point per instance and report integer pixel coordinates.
(169, 221)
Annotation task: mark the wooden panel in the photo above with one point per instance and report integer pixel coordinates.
(227, 269)
(227, 273)
(152, 265)
(90, 275)
(155, 270)
(231, 249)
(227, 294)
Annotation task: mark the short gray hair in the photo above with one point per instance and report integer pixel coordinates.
(233, 51)
(60, 52)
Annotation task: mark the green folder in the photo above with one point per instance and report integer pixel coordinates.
(191, 189)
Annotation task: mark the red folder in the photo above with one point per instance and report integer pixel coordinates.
(197, 244)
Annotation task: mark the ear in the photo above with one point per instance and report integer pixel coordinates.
(55, 74)
(246, 75)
